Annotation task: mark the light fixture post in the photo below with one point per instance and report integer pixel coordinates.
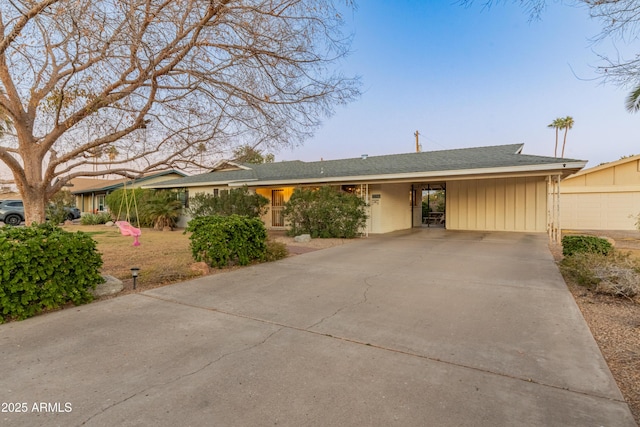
(134, 274)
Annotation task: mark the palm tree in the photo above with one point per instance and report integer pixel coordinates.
(95, 153)
(557, 124)
(202, 149)
(112, 153)
(633, 101)
(567, 124)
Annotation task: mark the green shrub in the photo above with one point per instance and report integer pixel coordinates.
(44, 267)
(238, 201)
(95, 219)
(275, 251)
(576, 244)
(225, 240)
(55, 211)
(613, 274)
(326, 212)
(133, 204)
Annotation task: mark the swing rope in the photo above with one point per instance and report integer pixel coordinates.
(125, 201)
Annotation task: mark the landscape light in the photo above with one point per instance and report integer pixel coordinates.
(134, 273)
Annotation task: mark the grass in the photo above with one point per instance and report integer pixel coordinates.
(163, 256)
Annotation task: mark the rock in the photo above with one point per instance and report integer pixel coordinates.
(167, 228)
(111, 286)
(200, 267)
(108, 224)
(302, 238)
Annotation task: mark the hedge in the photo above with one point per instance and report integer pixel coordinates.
(43, 267)
(224, 240)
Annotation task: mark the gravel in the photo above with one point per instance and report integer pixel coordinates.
(614, 323)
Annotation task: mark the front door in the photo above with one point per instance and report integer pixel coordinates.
(277, 204)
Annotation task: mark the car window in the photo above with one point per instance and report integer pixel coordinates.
(15, 204)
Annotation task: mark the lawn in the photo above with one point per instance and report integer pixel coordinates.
(163, 256)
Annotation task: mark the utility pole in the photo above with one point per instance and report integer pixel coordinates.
(417, 134)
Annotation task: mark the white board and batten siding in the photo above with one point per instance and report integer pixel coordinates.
(498, 204)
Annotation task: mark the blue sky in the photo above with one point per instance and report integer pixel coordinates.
(472, 76)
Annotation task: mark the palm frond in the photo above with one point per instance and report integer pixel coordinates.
(632, 103)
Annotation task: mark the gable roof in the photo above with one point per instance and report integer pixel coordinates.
(607, 165)
(422, 165)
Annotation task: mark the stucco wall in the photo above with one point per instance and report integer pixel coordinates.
(390, 211)
(501, 204)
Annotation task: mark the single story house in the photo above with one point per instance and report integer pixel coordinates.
(90, 193)
(605, 197)
(486, 188)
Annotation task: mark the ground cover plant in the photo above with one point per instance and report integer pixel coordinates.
(585, 244)
(44, 267)
(593, 262)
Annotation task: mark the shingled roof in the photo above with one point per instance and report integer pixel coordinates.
(420, 165)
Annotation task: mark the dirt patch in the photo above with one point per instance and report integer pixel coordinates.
(297, 248)
(614, 322)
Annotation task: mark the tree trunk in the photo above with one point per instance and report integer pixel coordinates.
(32, 188)
(555, 150)
(564, 142)
(34, 200)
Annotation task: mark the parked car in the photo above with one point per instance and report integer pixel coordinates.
(12, 212)
(72, 213)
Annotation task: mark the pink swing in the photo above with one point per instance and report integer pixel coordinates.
(127, 229)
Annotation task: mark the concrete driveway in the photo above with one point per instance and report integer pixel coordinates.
(430, 327)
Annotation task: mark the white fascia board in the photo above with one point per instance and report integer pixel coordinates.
(201, 184)
(529, 170)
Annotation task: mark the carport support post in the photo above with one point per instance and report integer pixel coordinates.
(553, 209)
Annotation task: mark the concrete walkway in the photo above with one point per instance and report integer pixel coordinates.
(430, 327)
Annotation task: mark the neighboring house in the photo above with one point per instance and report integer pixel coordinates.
(8, 195)
(90, 193)
(487, 188)
(605, 197)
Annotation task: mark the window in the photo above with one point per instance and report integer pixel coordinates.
(183, 196)
(100, 199)
(216, 192)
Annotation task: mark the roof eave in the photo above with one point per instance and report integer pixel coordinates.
(563, 169)
(230, 183)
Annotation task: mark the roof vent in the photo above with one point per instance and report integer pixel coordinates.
(364, 156)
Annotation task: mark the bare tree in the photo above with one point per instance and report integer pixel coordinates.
(157, 78)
